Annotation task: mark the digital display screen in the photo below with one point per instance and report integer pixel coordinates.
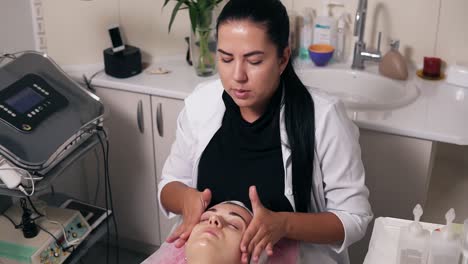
(24, 100)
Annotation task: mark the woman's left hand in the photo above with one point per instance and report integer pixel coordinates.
(265, 229)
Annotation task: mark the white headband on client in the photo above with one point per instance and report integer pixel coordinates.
(241, 204)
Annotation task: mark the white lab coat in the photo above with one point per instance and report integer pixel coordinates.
(338, 176)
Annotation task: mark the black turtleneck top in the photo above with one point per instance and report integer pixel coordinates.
(242, 154)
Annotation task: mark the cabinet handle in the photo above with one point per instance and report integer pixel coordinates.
(141, 124)
(159, 120)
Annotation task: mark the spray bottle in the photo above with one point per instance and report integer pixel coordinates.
(445, 244)
(413, 246)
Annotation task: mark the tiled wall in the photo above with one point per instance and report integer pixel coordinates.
(77, 30)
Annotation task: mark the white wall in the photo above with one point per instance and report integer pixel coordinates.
(452, 41)
(425, 27)
(76, 30)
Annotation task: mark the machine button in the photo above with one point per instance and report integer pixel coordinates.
(1, 106)
(37, 110)
(13, 114)
(29, 115)
(26, 127)
(33, 113)
(74, 235)
(35, 85)
(9, 112)
(40, 108)
(47, 93)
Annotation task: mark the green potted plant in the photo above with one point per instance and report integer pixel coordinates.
(202, 41)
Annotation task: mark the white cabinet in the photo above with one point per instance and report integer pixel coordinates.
(165, 113)
(398, 173)
(141, 131)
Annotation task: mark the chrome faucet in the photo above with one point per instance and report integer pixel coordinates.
(360, 52)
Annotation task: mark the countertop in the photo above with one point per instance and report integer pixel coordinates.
(439, 113)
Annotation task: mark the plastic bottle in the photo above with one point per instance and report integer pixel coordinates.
(293, 39)
(413, 246)
(445, 244)
(325, 27)
(341, 38)
(306, 34)
(464, 259)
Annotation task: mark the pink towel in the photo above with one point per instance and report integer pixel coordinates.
(285, 252)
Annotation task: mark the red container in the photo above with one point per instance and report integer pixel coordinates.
(432, 66)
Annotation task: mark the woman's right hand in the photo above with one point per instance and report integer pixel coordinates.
(194, 204)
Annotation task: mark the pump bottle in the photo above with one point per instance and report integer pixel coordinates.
(325, 27)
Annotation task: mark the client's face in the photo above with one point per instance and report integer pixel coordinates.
(217, 237)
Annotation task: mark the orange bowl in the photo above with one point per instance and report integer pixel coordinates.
(321, 54)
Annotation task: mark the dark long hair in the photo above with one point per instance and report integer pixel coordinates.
(299, 106)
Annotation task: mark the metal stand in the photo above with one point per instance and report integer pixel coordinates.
(45, 183)
(57, 199)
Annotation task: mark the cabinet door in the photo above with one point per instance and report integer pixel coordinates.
(165, 113)
(131, 165)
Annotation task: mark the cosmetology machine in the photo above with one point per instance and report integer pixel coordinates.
(66, 229)
(44, 115)
(47, 121)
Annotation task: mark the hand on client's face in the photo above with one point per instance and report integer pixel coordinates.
(217, 237)
(263, 232)
(195, 204)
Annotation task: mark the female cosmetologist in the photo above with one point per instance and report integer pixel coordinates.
(259, 126)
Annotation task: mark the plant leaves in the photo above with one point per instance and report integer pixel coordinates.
(165, 2)
(199, 10)
(174, 13)
(193, 12)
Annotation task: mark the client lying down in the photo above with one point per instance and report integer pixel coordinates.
(216, 239)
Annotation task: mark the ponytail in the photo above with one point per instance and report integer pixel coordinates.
(300, 128)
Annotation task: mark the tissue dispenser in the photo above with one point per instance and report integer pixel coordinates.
(122, 64)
